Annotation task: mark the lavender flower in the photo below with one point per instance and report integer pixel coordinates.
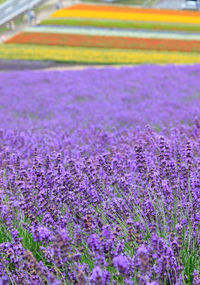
(122, 264)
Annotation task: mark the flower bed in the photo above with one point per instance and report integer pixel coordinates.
(90, 194)
(122, 9)
(98, 12)
(94, 55)
(106, 42)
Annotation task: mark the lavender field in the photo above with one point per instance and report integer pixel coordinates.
(100, 176)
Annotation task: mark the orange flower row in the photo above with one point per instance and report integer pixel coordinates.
(106, 42)
(107, 8)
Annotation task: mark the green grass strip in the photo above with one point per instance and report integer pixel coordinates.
(121, 25)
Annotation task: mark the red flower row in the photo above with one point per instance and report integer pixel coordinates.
(106, 42)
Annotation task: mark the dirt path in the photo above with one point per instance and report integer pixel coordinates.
(82, 67)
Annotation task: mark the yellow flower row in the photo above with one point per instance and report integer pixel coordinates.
(93, 55)
(134, 16)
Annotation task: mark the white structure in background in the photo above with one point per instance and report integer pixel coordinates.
(191, 5)
(13, 8)
(59, 4)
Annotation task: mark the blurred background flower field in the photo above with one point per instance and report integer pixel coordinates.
(100, 30)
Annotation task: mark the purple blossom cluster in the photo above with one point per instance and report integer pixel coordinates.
(100, 176)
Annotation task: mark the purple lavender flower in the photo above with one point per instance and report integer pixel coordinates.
(4, 280)
(122, 264)
(196, 277)
(97, 276)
